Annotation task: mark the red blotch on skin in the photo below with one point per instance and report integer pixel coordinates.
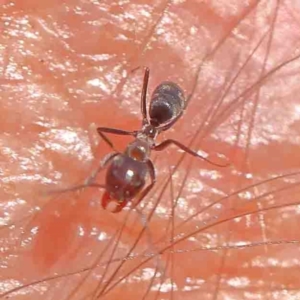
(58, 227)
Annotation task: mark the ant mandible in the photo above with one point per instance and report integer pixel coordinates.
(126, 172)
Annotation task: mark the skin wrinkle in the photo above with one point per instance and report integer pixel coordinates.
(65, 66)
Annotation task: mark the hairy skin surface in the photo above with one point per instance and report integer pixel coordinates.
(210, 233)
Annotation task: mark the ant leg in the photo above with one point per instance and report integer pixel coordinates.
(155, 251)
(89, 181)
(169, 142)
(101, 131)
(103, 163)
(144, 193)
(144, 93)
(93, 138)
(137, 68)
(144, 96)
(77, 187)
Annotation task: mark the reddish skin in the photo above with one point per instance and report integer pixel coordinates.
(47, 90)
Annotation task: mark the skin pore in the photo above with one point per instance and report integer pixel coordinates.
(204, 232)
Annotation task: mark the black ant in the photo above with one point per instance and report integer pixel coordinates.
(126, 172)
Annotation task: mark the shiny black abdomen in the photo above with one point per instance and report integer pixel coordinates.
(125, 177)
(167, 102)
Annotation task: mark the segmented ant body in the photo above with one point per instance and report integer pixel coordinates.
(127, 172)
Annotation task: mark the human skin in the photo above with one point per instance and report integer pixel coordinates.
(67, 66)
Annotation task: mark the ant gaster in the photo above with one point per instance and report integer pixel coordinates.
(126, 172)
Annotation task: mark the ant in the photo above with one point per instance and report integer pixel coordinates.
(126, 172)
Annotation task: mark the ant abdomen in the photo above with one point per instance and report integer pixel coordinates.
(167, 103)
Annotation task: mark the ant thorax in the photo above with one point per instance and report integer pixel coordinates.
(140, 148)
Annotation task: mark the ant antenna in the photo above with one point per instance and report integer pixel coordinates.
(144, 96)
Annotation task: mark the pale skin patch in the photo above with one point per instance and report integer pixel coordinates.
(73, 86)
